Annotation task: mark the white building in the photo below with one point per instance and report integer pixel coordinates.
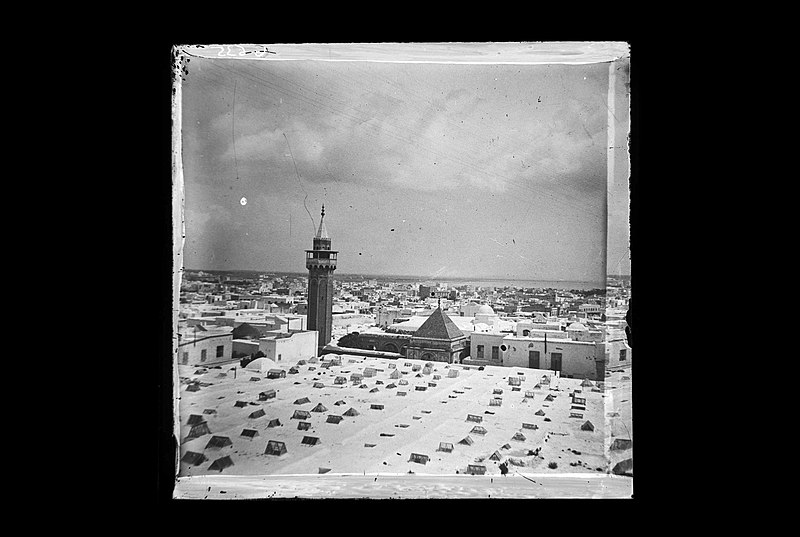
(530, 326)
(384, 316)
(289, 347)
(578, 353)
(579, 332)
(468, 309)
(578, 359)
(486, 315)
(487, 347)
(591, 308)
(263, 320)
(200, 346)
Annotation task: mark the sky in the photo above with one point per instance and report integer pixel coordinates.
(431, 170)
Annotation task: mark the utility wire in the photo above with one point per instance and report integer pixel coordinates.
(313, 224)
(233, 130)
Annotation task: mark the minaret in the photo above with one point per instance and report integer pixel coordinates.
(321, 262)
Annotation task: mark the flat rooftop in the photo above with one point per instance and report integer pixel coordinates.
(389, 428)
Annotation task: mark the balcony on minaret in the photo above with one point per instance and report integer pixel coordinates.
(321, 259)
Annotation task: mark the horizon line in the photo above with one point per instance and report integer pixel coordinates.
(412, 276)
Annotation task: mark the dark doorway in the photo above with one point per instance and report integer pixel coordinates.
(533, 359)
(555, 361)
(600, 373)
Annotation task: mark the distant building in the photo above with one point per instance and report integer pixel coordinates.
(591, 308)
(289, 347)
(486, 315)
(384, 316)
(536, 307)
(528, 328)
(204, 346)
(424, 291)
(348, 319)
(538, 323)
(579, 332)
(468, 309)
(262, 320)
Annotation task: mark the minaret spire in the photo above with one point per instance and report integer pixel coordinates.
(322, 232)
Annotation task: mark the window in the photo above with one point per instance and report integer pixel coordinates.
(220, 351)
(495, 353)
(203, 355)
(480, 352)
(623, 355)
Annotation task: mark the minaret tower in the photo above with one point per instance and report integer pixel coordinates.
(321, 262)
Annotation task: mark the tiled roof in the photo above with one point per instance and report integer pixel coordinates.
(439, 326)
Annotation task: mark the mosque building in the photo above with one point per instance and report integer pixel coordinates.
(438, 340)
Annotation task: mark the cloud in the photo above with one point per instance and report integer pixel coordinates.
(305, 144)
(431, 137)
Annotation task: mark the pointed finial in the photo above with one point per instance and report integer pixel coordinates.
(322, 233)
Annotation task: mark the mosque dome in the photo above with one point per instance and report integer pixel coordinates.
(485, 310)
(577, 326)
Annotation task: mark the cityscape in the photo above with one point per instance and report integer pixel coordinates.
(336, 371)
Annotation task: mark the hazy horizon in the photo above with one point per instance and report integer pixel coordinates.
(405, 276)
(584, 284)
